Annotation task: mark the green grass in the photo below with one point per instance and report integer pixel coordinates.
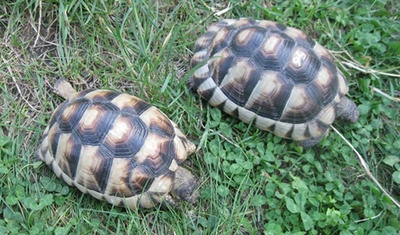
(252, 181)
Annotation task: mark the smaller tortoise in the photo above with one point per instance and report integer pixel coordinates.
(274, 76)
(117, 148)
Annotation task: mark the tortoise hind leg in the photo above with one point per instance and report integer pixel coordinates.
(346, 111)
(185, 186)
(310, 142)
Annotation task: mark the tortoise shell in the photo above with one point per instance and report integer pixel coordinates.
(274, 76)
(116, 147)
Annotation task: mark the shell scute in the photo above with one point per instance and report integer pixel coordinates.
(96, 122)
(157, 163)
(67, 153)
(221, 64)
(299, 107)
(130, 104)
(101, 96)
(221, 39)
(301, 38)
(303, 66)
(266, 98)
(157, 123)
(274, 52)
(239, 82)
(246, 41)
(70, 116)
(94, 168)
(126, 136)
(138, 182)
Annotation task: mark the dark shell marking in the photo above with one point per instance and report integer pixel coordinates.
(115, 147)
(273, 75)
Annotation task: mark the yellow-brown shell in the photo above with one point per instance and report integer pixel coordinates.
(273, 75)
(115, 147)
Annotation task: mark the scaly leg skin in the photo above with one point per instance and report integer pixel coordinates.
(185, 186)
(310, 142)
(346, 111)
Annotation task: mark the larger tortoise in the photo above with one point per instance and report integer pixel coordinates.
(117, 148)
(274, 76)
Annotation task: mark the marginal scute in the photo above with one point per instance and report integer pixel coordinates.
(241, 23)
(203, 73)
(269, 24)
(300, 132)
(161, 185)
(207, 87)
(61, 174)
(200, 56)
(246, 115)
(343, 88)
(173, 166)
(230, 108)
(322, 52)
(283, 129)
(205, 40)
(316, 128)
(218, 98)
(57, 113)
(80, 95)
(52, 139)
(264, 123)
(327, 116)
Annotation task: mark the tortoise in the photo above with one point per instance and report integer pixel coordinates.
(273, 76)
(119, 148)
